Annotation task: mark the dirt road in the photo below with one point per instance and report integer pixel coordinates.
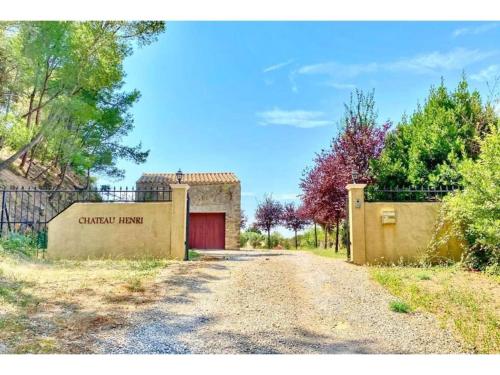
(273, 302)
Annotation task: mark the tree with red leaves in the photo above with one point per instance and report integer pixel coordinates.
(268, 215)
(323, 186)
(294, 219)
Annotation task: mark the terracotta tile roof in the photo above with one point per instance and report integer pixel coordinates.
(191, 178)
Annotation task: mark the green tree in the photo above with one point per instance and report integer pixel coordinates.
(64, 92)
(428, 147)
(474, 213)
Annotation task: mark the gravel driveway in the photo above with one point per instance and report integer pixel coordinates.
(273, 302)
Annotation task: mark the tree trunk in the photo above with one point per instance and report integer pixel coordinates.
(326, 236)
(32, 156)
(337, 237)
(296, 244)
(4, 164)
(315, 236)
(28, 123)
(63, 176)
(88, 180)
(269, 238)
(37, 118)
(44, 170)
(23, 160)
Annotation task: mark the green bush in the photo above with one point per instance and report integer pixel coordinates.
(277, 240)
(253, 239)
(243, 239)
(306, 239)
(22, 244)
(474, 213)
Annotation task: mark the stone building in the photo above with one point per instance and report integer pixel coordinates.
(215, 204)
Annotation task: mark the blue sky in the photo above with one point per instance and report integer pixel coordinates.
(260, 98)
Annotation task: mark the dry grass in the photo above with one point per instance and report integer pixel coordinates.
(328, 253)
(467, 302)
(48, 307)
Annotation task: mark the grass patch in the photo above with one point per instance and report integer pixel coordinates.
(328, 253)
(193, 255)
(135, 285)
(423, 276)
(399, 306)
(54, 306)
(466, 302)
(24, 245)
(37, 346)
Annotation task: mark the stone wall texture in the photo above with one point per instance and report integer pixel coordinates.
(221, 197)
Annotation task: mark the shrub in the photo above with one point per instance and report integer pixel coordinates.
(474, 213)
(243, 239)
(306, 239)
(22, 244)
(277, 240)
(251, 238)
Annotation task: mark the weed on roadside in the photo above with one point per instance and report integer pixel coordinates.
(399, 306)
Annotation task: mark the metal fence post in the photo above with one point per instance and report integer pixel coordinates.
(3, 211)
(186, 254)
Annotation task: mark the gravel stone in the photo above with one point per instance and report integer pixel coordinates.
(273, 302)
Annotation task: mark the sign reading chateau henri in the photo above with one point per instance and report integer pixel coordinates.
(95, 230)
(111, 220)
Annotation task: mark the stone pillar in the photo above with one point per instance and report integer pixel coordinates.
(178, 229)
(357, 222)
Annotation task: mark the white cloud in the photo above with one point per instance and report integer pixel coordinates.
(474, 30)
(277, 66)
(487, 74)
(341, 70)
(436, 61)
(295, 118)
(287, 197)
(341, 86)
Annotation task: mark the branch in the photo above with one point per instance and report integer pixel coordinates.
(4, 164)
(43, 104)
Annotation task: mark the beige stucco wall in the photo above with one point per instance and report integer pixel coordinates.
(159, 231)
(407, 238)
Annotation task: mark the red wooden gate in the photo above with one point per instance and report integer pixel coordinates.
(206, 230)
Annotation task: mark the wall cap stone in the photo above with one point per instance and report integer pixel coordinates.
(355, 186)
(179, 186)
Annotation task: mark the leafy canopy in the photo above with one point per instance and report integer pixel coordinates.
(268, 214)
(427, 148)
(360, 140)
(474, 213)
(62, 95)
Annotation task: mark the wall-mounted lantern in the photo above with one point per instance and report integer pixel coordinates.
(179, 176)
(354, 175)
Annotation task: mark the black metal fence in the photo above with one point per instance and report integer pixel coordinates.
(374, 193)
(29, 210)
